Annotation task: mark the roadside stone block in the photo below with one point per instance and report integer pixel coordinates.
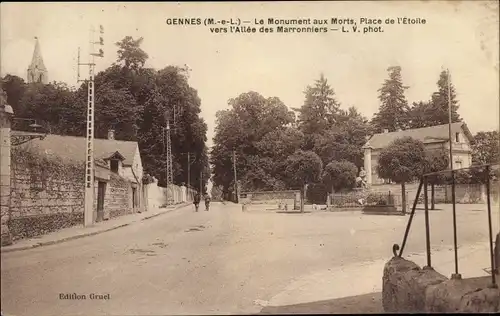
(458, 296)
(405, 284)
(393, 293)
(482, 301)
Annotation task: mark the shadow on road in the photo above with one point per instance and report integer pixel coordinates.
(359, 304)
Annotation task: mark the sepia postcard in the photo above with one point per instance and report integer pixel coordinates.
(244, 157)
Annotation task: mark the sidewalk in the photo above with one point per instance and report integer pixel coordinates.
(79, 231)
(365, 278)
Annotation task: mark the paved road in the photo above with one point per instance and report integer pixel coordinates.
(220, 262)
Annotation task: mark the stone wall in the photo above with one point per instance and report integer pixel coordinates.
(45, 195)
(406, 288)
(117, 200)
(48, 195)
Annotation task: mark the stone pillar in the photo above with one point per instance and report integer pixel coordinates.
(368, 164)
(6, 114)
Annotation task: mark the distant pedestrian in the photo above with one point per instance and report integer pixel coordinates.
(196, 201)
(207, 202)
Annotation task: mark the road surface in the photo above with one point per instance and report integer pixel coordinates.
(224, 261)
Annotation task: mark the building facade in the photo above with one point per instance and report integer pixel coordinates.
(47, 183)
(434, 138)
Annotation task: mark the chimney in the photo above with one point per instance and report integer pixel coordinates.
(111, 134)
(386, 131)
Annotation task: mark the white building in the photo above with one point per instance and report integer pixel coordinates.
(434, 137)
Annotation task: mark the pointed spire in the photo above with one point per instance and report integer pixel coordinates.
(37, 72)
(37, 59)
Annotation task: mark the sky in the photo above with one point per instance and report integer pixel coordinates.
(459, 35)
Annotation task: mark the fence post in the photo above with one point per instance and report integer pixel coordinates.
(427, 228)
(490, 229)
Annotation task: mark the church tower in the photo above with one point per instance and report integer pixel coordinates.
(37, 71)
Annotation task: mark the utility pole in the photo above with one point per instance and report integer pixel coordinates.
(455, 275)
(235, 178)
(89, 153)
(449, 120)
(189, 162)
(169, 171)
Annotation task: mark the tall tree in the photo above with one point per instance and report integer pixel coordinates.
(243, 129)
(172, 94)
(14, 87)
(339, 175)
(402, 161)
(420, 114)
(319, 111)
(486, 149)
(345, 139)
(130, 53)
(303, 167)
(48, 104)
(440, 105)
(393, 110)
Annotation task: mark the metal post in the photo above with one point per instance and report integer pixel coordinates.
(427, 228)
(490, 229)
(169, 157)
(415, 202)
(456, 275)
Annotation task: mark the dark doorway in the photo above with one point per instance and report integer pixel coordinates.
(134, 197)
(101, 190)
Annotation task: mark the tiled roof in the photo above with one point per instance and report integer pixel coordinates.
(432, 134)
(73, 148)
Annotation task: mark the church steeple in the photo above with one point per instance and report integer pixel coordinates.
(37, 71)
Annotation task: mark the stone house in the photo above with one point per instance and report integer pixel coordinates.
(50, 195)
(433, 137)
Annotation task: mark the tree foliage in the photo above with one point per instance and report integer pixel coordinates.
(345, 139)
(130, 99)
(440, 104)
(258, 130)
(339, 175)
(486, 149)
(303, 167)
(393, 113)
(320, 108)
(266, 139)
(435, 161)
(130, 53)
(402, 161)
(436, 110)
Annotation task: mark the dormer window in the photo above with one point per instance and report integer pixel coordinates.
(114, 165)
(114, 161)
